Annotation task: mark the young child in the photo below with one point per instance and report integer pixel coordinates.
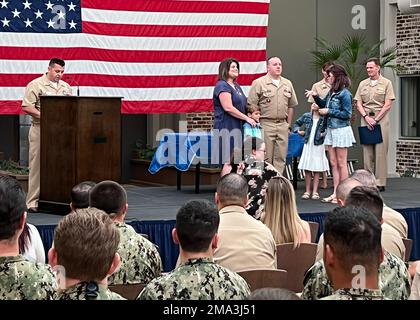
(313, 159)
(253, 111)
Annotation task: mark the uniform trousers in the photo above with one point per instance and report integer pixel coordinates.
(34, 166)
(375, 156)
(276, 138)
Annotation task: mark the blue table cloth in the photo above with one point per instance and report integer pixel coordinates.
(181, 150)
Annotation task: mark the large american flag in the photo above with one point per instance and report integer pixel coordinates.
(161, 56)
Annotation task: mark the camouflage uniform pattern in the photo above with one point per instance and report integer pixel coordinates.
(22, 279)
(197, 279)
(393, 280)
(356, 294)
(140, 260)
(78, 292)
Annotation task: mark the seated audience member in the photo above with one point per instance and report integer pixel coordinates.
(19, 278)
(198, 277)
(140, 260)
(80, 195)
(244, 242)
(391, 217)
(273, 294)
(85, 246)
(391, 240)
(370, 198)
(258, 173)
(393, 274)
(353, 253)
(281, 216)
(30, 244)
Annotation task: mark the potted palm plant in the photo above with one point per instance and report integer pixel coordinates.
(352, 54)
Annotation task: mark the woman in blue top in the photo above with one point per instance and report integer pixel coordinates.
(229, 110)
(337, 107)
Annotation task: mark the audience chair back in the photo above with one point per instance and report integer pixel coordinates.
(296, 262)
(265, 278)
(314, 230)
(128, 291)
(408, 243)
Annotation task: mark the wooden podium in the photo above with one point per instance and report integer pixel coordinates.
(80, 140)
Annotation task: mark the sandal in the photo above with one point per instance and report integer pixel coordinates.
(315, 196)
(306, 196)
(330, 199)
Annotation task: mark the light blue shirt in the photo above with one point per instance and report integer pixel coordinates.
(252, 131)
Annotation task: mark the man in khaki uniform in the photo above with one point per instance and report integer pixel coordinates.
(322, 87)
(374, 99)
(276, 98)
(48, 84)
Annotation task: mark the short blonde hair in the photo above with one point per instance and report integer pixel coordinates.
(86, 242)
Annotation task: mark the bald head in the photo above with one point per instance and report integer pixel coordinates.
(344, 188)
(232, 189)
(365, 177)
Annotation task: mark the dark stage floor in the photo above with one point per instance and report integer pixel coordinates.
(162, 203)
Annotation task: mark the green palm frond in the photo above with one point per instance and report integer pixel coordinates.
(352, 54)
(375, 50)
(355, 47)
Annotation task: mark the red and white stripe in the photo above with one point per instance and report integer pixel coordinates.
(161, 56)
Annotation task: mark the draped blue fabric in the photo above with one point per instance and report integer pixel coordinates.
(315, 217)
(159, 232)
(180, 150)
(47, 235)
(412, 216)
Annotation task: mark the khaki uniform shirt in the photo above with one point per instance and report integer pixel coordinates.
(42, 86)
(140, 260)
(395, 220)
(356, 294)
(373, 97)
(393, 280)
(321, 88)
(80, 292)
(272, 100)
(197, 279)
(244, 243)
(21, 279)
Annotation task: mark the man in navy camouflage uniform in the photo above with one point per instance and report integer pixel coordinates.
(19, 278)
(198, 277)
(140, 260)
(85, 251)
(353, 253)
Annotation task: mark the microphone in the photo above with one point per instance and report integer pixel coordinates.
(72, 80)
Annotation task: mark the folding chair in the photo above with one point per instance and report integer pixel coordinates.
(265, 278)
(408, 243)
(296, 261)
(314, 230)
(128, 291)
